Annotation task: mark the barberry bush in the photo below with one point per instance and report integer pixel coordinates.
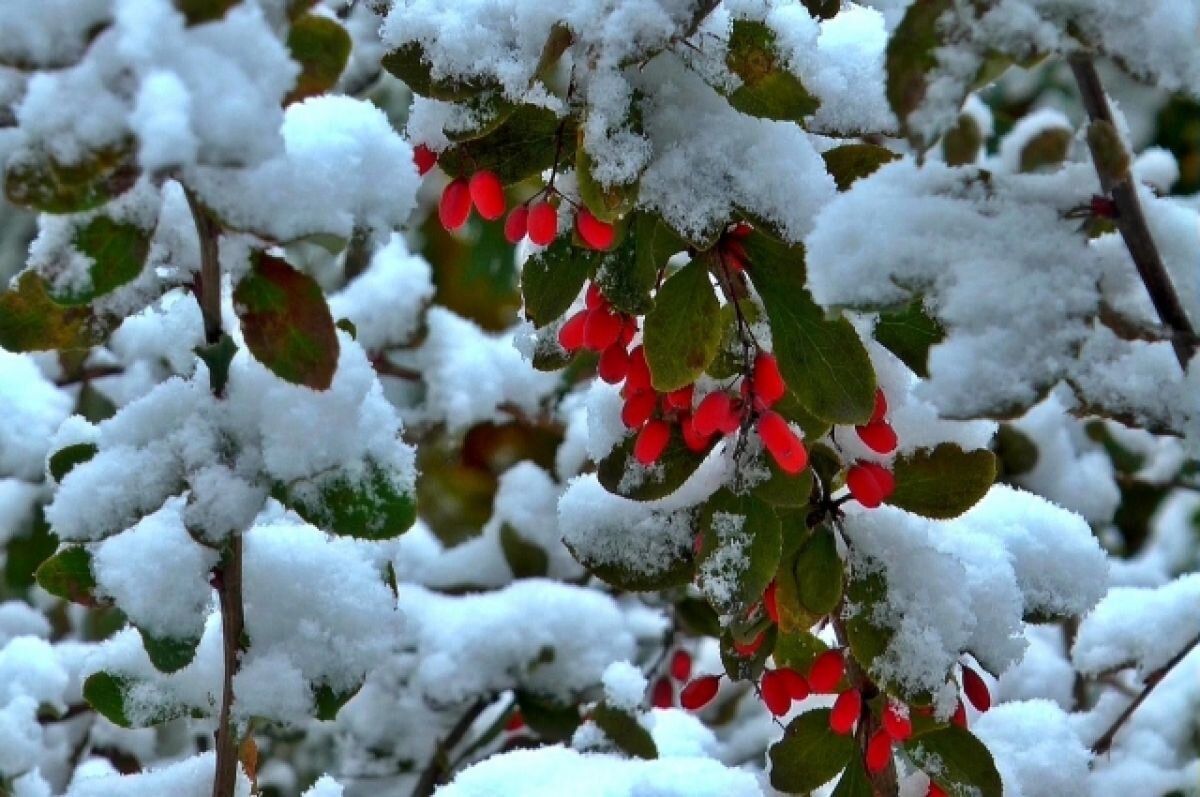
(637, 398)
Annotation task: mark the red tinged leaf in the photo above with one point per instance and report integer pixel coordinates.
(771, 604)
(595, 233)
(603, 328)
(826, 672)
(638, 408)
(455, 207)
(614, 364)
(783, 444)
(976, 689)
(879, 436)
(663, 694)
(846, 711)
(712, 412)
(681, 399)
(570, 335)
(286, 323)
(768, 382)
(487, 193)
(651, 442)
(700, 692)
(681, 665)
(543, 223)
(775, 693)
(797, 686)
(751, 647)
(896, 721)
(691, 438)
(881, 406)
(638, 379)
(516, 225)
(424, 158)
(879, 752)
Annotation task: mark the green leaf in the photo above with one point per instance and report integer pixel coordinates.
(552, 278)
(798, 650)
(525, 559)
(957, 761)
(867, 640)
(823, 9)
(68, 574)
(166, 654)
(911, 56)
(823, 361)
(768, 90)
(849, 162)
(962, 143)
(810, 754)
(371, 505)
(521, 146)
(674, 570)
(286, 323)
(942, 482)
(741, 545)
(67, 457)
(329, 702)
(1016, 453)
(1047, 149)
(552, 721)
(781, 488)
(118, 252)
(622, 475)
(607, 203)
(36, 181)
(218, 357)
(741, 667)
(624, 731)
(322, 47)
(197, 11)
(109, 694)
(409, 64)
(909, 334)
(31, 321)
(629, 272)
(683, 330)
(855, 782)
(819, 573)
(31, 544)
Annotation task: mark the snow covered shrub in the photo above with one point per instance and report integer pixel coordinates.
(845, 443)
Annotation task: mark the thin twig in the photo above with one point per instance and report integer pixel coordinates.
(438, 766)
(207, 285)
(1131, 221)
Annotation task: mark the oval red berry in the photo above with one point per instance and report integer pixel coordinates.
(639, 371)
(424, 158)
(797, 687)
(700, 692)
(651, 442)
(879, 436)
(570, 335)
(896, 721)
(846, 711)
(783, 444)
(879, 752)
(638, 408)
(768, 382)
(663, 694)
(681, 665)
(614, 364)
(455, 206)
(826, 672)
(595, 233)
(487, 192)
(711, 413)
(543, 223)
(976, 689)
(775, 693)
(603, 329)
(517, 224)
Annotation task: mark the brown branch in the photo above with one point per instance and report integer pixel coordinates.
(207, 284)
(883, 783)
(439, 765)
(1130, 220)
(228, 581)
(1105, 742)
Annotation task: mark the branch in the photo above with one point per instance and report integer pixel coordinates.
(883, 783)
(1105, 742)
(438, 765)
(1131, 221)
(207, 285)
(228, 581)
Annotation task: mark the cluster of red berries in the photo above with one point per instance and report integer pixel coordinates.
(869, 482)
(663, 693)
(601, 328)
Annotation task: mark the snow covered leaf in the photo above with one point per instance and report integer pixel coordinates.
(607, 202)
(740, 549)
(911, 56)
(111, 694)
(683, 330)
(322, 48)
(37, 181)
(525, 559)
(31, 321)
(169, 655)
(329, 702)
(68, 574)
(1049, 148)
(408, 63)
(849, 162)
(868, 640)
(957, 761)
(622, 475)
(118, 253)
(823, 361)
(64, 459)
(522, 145)
(370, 504)
(768, 90)
(909, 334)
(962, 142)
(943, 482)
(810, 754)
(552, 279)
(198, 11)
(630, 271)
(819, 573)
(549, 720)
(624, 731)
(286, 323)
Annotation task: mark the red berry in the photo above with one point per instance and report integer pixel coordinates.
(662, 695)
(826, 672)
(768, 382)
(771, 604)
(976, 689)
(543, 223)
(638, 408)
(935, 790)
(570, 335)
(487, 192)
(751, 647)
(775, 693)
(797, 687)
(681, 399)
(593, 298)
(455, 206)
(881, 406)
(692, 439)
(595, 233)
(698, 693)
(879, 436)
(515, 722)
(517, 224)
(866, 484)
(603, 328)
(1103, 207)
(896, 721)
(639, 372)
(959, 717)
(712, 412)
(424, 158)
(614, 364)
(846, 711)
(651, 442)
(681, 665)
(783, 444)
(879, 752)
(741, 230)
(628, 330)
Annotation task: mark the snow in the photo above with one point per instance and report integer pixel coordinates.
(624, 686)
(1139, 626)
(386, 300)
(1036, 749)
(31, 407)
(191, 777)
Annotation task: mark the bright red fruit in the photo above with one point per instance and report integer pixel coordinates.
(487, 192)
(593, 297)
(710, 415)
(770, 604)
(700, 692)
(424, 158)
(662, 695)
(595, 233)
(797, 687)
(628, 330)
(517, 224)
(869, 483)
(896, 721)
(614, 364)
(846, 711)
(694, 440)
(775, 693)
(976, 689)
(879, 436)
(515, 722)
(639, 372)
(879, 752)
(603, 328)
(768, 382)
(935, 790)
(826, 672)
(959, 717)
(681, 665)
(455, 206)
(751, 647)
(783, 444)
(638, 408)
(881, 406)
(651, 441)
(570, 335)
(741, 230)
(543, 223)
(681, 399)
